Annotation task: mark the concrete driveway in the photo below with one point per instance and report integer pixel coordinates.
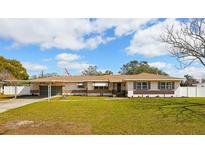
(15, 103)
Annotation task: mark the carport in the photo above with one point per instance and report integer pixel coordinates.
(46, 88)
(54, 90)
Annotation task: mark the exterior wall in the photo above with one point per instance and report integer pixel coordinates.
(93, 92)
(90, 86)
(152, 92)
(34, 86)
(72, 86)
(110, 86)
(129, 88)
(154, 85)
(88, 90)
(177, 89)
(35, 89)
(72, 89)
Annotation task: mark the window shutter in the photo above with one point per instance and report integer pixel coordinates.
(173, 85)
(158, 85)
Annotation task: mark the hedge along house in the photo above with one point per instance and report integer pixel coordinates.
(139, 85)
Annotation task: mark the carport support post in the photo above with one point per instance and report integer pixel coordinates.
(15, 90)
(49, 92)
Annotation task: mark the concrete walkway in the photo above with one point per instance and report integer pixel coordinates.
(15, 103)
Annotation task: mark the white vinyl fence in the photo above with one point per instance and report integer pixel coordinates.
(192, 91)
(1, 89)
(21, 90)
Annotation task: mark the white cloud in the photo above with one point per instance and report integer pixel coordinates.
(67, 57)
(161, 65)
(95, 41)
(70, 61)
(146, 41)
(72, 65)
(121, 26)
(197, 72)
(47, 59)
(48, 33)
(34, 67)
(71, 34)
(171, 69)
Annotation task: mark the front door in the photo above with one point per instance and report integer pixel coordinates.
(118, 87)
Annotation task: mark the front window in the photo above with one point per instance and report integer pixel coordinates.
(144, 85)
(169, 85)
(100, 85)
(162, 85)
(141, 85)
(166, 85)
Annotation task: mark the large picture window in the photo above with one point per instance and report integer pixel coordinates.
(99, 86)
(166, 85)
(141, 85)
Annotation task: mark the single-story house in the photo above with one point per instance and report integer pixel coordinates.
(139, 85)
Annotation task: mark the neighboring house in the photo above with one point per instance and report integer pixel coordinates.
(139, 85)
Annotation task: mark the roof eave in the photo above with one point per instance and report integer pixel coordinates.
(48, 81)
(153, 79)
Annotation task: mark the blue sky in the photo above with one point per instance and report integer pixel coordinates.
(54, 44)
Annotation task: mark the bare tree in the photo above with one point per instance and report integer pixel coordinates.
(6, 75)
(186, 41)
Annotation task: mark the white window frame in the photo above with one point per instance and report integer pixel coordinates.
(141, 85)
(169, 85)
(166, 86)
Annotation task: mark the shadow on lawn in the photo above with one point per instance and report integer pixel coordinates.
(186, 112)
(182, 111)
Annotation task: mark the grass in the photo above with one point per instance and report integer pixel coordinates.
(104, 115)
(5, 97)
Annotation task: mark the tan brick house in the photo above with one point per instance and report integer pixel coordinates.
(139, 85)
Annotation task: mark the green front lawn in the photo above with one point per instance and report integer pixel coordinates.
(104, 115)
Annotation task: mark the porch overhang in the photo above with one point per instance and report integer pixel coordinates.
(16, 82)
(52, 81)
